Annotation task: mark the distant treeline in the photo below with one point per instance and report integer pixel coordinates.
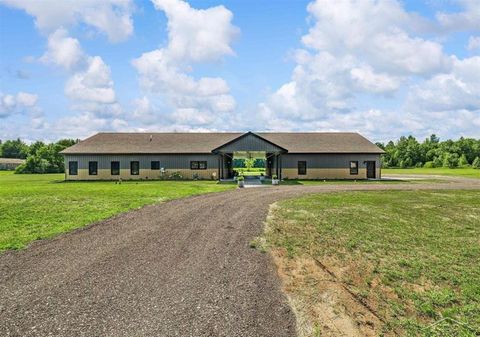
(40, 157)
(408, 152)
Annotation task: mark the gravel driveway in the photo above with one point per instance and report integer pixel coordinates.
(180, 268)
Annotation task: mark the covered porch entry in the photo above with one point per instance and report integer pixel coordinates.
(249, 145)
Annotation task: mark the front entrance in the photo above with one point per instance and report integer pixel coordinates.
(370, 169)
(263, 157)
(249, 163)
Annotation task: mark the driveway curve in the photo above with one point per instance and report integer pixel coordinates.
(179, 268)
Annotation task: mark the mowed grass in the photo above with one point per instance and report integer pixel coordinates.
(40, 206)
(413, 256)
(466, 172)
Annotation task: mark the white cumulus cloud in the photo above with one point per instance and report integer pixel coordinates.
(194, 36)
(366, 66)
(111, 17)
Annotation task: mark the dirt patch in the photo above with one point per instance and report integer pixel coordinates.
(322, 303)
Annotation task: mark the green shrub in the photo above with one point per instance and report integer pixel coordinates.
(476, 163)
(175, 176)
(463, 162)
(450, 160)
(429, 164)
(240, 178)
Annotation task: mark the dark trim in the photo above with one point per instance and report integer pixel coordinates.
(198, 165)
(70, 162)
(117, 168)
(131, 167)
(92, 172)
(245, 135)
(353, 173)
(304, 168)
(199, 153)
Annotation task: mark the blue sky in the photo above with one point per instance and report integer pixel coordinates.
(382, 68)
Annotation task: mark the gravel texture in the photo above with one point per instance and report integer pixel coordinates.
(179, 268)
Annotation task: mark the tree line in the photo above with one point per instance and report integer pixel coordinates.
(405, 152)
(39, 157)
(409, 152)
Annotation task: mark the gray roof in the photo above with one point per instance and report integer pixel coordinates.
(189, 142)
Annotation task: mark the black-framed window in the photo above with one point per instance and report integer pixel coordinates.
(155, 165)
(302, 168)
(134, 168)
(73, 168)
(354, 167)
(115, 168)
(198, 165)
(92, 168)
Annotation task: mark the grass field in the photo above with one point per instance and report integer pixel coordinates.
(412, 257)
(40, 206)
(443, 171)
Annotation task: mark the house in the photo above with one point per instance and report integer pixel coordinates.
(292, 155)
(10, 164)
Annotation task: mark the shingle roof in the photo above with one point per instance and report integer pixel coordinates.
(181, 142)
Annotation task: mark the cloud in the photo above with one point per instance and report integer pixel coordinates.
(473, 43)
(111, 17)
(20, 102)
(197, 35)
(92, 85)
(466, 20)
(365, 66)
(194, 36)
(63, 50)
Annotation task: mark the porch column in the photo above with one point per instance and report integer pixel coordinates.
(280, 166)
(276, 166)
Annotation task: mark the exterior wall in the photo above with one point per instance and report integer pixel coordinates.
(170, 163)
(8, 166)
(250, 143)
(328, 166)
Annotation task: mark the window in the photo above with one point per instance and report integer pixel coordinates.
(155, 165)
(73, 168)
(115, 168)
(354, 167)
(92, 168)
(302, 168)
(198, 165)
(134, 168)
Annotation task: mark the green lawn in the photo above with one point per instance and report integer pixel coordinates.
(40, 206)
(460, 172)
(413, 256)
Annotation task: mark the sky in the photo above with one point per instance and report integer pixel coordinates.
(383, 68)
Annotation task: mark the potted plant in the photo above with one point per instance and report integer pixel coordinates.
(275, 180)
(241, 181)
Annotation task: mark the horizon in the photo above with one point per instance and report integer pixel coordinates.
(381, 69)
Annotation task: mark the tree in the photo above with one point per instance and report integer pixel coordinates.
(476, 163)
(450, 160)
(15, 149)
(45, 158)
(462, 162)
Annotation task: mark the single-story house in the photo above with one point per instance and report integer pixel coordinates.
(292, 155)
(10, 164)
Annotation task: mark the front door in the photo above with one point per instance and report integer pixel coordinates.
(370, 169)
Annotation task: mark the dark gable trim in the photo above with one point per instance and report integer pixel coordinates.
(245, 135)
